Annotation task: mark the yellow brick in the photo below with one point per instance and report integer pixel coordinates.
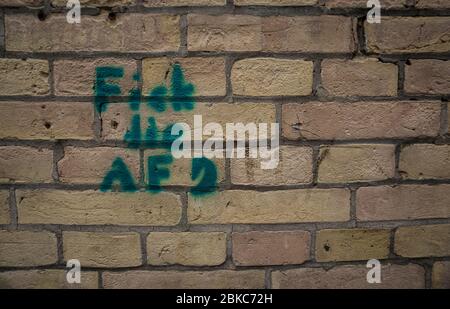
(24, 77)
(4, 207)
(46, 279)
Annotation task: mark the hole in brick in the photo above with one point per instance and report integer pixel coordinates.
(326, 247)
(43, 106)
(114, 124)
(48, 125)
(408, 62)
(112, 16)
(41, 15)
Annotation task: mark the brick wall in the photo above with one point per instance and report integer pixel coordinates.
(364, 160)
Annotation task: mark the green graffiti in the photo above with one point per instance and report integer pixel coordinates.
(102, 89)
(205, 170)
(158, 171)
(119, 173)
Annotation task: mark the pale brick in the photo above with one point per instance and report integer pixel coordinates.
(103, 249)
(409, 276)
(77, 77)
(219, 279)
(90, 165)
(270, 248)
(358, 77)
(352, 244)
(432, 4)
(24, 77)
(423, 241)
(289, 206)
(385, 4)
(206, 74)
(356, 163)
(294, 167)
(47, 120)
(107, 3)
(25, 248)
(187, 248)
(408, 35)
(94, 207)
(428, 77)
(46, 279)
(276, 2)
(272, 77)
(158, 3)
(273, 33)
(117, 119)
(425, 161)
(360, 120)
(30, 3)
(181, 169)
(4, 207)
(441, 275)
(156, 33)
(25, 164)
(406, 202)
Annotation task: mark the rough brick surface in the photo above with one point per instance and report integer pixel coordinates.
(207, 74)
(270, 248)
(24, 77)
(334, 120)
(59, 3)
(30, 3)
(420, 241)
(45, 279)
(191, 249)
(427, 76)
(83, 208)
(46, 120)
(220, 279)
(158, 33)
(103, 249)
(90, 165)
(408, 35)
(157, 3)
(25, 248)
(363, 3)
(25, 164)
(274, 33)
(276, 2)
(350, 277)
(355, 163)
(294, 167)
(358, 77)
(425, 161)
(441, 275)
(403, 202)
(272, 77)
(237, 206)
(4, 207)
(352, 244)
(432, 4)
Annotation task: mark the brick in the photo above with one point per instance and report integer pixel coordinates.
(270, 248)
(432, 4)
(360, 120)
(288, 206)
(423, 241)
(25, 164)
(352, 244)
(46, 279)
(408, 35)
(385, 4)
(181, 169)
(187, 248)
(271, 34)
(106, 3)
(425, 161)
(294, 167)
(46, 120)
(405, 202)
(355, 163)
(116, 120)
(158, 3)
(410, 276)
(275, 2)
(272, 77)
(206, 74)
(103, 249)
(90, 165)
(151, 33)
(30, 3)
(358, 77)
(24, 77)
(25, 248)
(77, 77)
(4, 207)
(441, 275)
(82, 207)
(219, 279)
(428, 77)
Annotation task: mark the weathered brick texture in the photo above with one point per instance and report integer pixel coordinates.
(24, 77)
(427, 77)
(441, 275)
(425, 161)
(45, 279)
(4, 207)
